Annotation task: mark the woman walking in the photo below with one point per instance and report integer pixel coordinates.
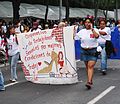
(13, 52)
(88, 37)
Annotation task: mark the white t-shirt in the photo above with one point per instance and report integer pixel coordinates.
(12, 46)
(87, 38)
(19, 29)
(102, 38)
(4, 29)
(38, 29)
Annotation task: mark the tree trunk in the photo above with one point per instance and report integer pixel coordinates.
(96, 6)
(67, 10)
(16, 5)
(46, 14)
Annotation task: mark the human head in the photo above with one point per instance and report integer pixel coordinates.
(61, 24)
(55, 26)
(35, 25)
(118, 22)
(88, 22)
(81, 22)
(17, 23)
(102, 23)
(10, 31)
(46, 26)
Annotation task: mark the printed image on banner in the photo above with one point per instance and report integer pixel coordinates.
(43, 55)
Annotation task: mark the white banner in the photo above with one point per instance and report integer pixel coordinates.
(48, 56)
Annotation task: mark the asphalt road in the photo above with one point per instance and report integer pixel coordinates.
(106, 89)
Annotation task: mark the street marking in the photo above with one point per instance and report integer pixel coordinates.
(11, 84)
(101, 95)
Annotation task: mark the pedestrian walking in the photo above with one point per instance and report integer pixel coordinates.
(89, 44)
(2, 58)
(13, 52)
(105, 34)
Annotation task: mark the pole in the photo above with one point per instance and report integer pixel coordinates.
(116, 10)
(67, 10)
(60, 11)
(16, 5)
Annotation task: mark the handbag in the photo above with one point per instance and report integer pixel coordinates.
(109, 48)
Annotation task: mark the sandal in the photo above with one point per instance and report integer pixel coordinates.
(89, 85)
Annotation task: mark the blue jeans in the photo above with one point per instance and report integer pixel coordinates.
(103, 58)
(13, 64)
(1, 81)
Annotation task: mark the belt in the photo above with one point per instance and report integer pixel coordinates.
(89, 48)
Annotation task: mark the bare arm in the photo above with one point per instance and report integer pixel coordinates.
(95, 33)
(102, 33)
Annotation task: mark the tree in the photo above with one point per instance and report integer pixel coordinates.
(47, 7)
(106, 5)
(96, 6)
(16, 5)
(67, 10)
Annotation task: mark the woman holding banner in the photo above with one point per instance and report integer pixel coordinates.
(89, 44)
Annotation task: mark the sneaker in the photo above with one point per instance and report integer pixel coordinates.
(89, 85)
(3, 89)
(104, 72)
(13, 80)
(19, 62)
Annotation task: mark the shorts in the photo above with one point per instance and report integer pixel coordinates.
(88, 55)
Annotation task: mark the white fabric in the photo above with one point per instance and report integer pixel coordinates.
(53, 11)
(19, 29)
(102, 38)
(12, 45)
(87, 38)
(2, 43)
(4, 29)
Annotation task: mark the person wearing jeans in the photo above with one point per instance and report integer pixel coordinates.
(2, 88)
(2, 57)
(104, 35)
(13, 52)
(13, 64)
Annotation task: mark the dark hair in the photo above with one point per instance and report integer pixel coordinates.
(16, 22)
(117, 22)
(102, 20)
(8, 31)
(90, 19)
(1, 31)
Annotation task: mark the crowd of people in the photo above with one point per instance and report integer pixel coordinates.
(93, 41)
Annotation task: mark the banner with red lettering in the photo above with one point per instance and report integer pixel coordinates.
(48, 56)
